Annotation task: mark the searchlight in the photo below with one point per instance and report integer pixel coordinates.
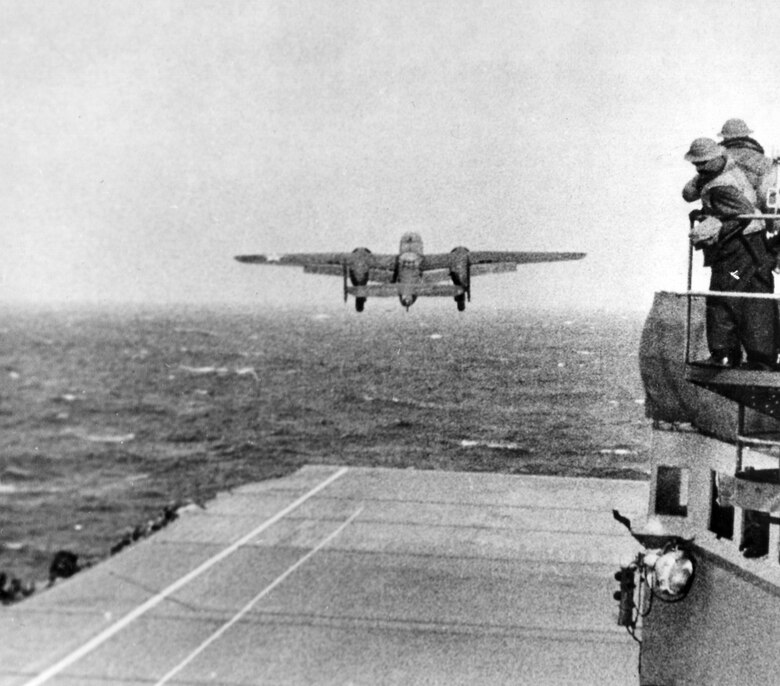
(664, 573)
(669, 573)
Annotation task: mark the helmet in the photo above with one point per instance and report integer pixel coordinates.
(734, 128)
(703, 150)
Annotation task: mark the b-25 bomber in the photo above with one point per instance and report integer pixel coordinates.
(411, 273)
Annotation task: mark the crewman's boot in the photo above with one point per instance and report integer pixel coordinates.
(761, 361)
(722, 358)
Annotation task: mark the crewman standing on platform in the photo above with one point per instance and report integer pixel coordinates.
(747, 152)
(736, 251)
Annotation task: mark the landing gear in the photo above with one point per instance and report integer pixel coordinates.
(360, 303)
(461, 302)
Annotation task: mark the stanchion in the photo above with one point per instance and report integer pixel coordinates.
(688, 308)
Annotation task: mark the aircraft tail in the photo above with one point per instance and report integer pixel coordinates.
(373, 291)
(440, 290)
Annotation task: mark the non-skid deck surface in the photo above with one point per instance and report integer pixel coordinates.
(350, 576)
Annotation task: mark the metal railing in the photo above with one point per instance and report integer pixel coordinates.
(689, 294)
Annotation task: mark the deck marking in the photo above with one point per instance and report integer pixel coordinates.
(104, 635)
(256, 599)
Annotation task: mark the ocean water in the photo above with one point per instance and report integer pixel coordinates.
(108, 416)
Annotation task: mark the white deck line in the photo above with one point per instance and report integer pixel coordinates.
(115, 628)
(256, 599)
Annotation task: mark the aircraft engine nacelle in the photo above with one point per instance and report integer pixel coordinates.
(459, 268)
(359, 266)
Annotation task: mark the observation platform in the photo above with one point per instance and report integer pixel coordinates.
(339, 575)
(758, 390)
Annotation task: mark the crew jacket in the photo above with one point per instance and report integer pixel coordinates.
(725, 195)
(749, 155)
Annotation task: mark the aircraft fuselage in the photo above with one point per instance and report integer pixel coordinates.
(409, 270)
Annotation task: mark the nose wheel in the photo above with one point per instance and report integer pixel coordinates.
(460, 300)
(360, 303)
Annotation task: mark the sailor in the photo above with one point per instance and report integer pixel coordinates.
(747, 152)
(736, 251)
(749, 156)
(761, 171)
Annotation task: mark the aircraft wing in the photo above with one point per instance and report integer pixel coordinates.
(374, 274)
(490, 261)
(495, 257)
(436, 275)
(336, 259)
(316, 262)
(381, 275)
(331, 269)
(492, 268)
(252, 259)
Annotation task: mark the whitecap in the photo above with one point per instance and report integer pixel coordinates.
(247, 371)
(99, 438)
(204, 370)
(404, 401)
(494, 445)
(18, 472)
(106, 438)
(200, 332)
(617, 451)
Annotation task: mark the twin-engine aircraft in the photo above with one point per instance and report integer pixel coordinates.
(411, 273)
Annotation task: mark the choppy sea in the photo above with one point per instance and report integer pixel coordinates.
(110, 415)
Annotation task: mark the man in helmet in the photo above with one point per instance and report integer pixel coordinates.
(736, 251)
(747, 152)
(760, 170)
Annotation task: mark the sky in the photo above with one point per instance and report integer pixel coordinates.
(143, 144)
